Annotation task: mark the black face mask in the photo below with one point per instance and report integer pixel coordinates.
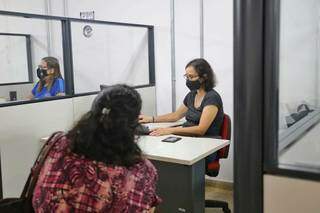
(41, 73)
(193, 85)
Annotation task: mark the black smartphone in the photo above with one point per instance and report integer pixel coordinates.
(171, 139)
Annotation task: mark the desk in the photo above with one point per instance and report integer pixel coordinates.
(181, 169)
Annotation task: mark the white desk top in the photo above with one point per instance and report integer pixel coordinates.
(305, 152)
(186, 151)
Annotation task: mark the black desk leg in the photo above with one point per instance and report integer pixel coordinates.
(181, 187)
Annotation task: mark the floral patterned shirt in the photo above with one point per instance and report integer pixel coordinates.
(71, 183)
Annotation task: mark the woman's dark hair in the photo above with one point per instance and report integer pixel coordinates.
(204, 70)
(106, 132)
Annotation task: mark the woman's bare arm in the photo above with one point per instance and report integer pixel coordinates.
(207, 117)
(170, 117)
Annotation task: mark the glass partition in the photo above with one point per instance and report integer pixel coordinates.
(70, 56)
(299, 85)
(21, 56)
(108, 54)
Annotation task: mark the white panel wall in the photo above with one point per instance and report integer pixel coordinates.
(218, 50)
(19, 137)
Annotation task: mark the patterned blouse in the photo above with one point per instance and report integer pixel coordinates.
(71, 183)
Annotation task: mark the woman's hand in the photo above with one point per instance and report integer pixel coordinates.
(161, 131)
(145, 119)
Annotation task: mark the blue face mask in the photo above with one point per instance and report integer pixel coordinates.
(193, 85)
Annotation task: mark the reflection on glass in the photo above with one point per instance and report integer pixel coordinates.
(45, 40)
(299, 84)
(108, 54)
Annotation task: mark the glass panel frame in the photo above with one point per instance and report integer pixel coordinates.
(97, 27)
(273, 143)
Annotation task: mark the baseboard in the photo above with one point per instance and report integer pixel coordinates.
(219, 184)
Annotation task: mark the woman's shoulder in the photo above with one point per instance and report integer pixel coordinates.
(213, 94)
(59, 80)
(191, 93)
(145, 166)
(60, 140)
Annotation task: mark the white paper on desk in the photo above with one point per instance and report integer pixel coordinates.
(165, 124)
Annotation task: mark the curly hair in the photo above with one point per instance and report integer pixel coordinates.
(204, 70)
(107, 132)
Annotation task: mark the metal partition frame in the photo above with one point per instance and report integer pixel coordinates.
(271, 100)
(248, 105)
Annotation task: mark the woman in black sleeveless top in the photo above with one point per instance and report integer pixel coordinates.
(202, 106)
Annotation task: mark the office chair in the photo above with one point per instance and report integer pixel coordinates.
(212, 168)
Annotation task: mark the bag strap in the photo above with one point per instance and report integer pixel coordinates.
(35, 171)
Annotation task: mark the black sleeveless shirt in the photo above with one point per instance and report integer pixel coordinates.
(193, 114)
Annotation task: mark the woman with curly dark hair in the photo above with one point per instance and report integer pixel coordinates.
(97, 166)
